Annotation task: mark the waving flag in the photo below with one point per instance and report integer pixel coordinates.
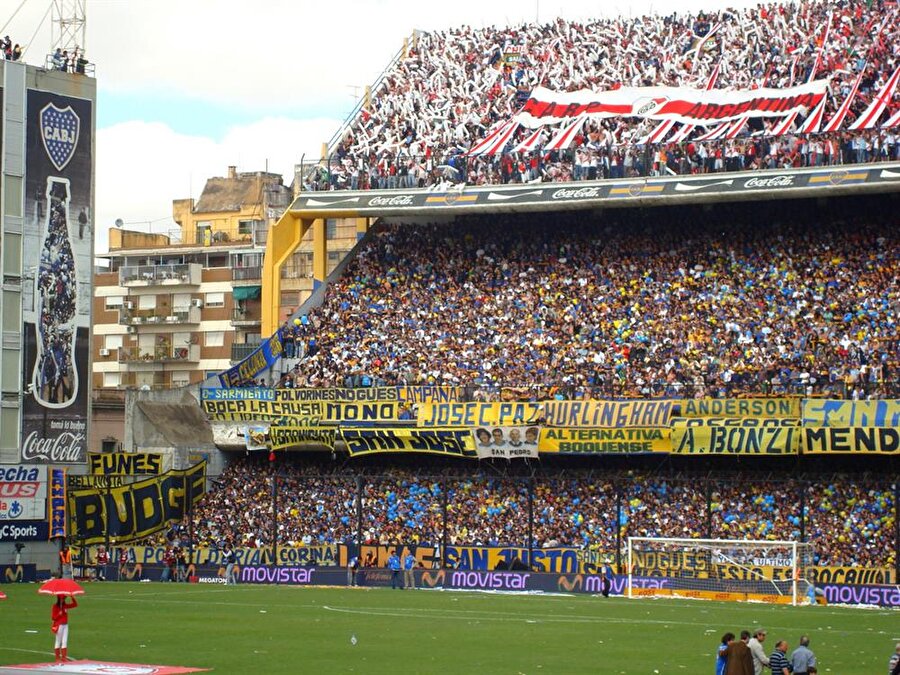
(686, 129)
(566, 134)
(812, 123)
(500, 140)
(835, 122)
(893, 122)
(530, 143)
(870, 115)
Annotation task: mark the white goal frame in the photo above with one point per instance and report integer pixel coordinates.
(795, 588)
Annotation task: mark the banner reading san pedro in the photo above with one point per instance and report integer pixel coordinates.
(56, 293)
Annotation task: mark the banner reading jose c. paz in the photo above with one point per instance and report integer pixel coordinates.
(458, 442)
(831, 413)
(137, 510)
(735, 440)
(56, 306)
(619, 414)
(851, 440)
(260, 359)
(739, 407)
(628, 440)
(473, 415)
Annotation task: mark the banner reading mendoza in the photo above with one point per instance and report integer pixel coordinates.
(458, 442)
(851, 440)
(137, 510)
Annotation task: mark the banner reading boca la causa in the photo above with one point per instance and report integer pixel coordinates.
(56, 302)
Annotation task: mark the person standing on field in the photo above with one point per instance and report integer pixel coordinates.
(802, 658)
(894, 663)
(760, 660)
(778, 659)
(59, 626)
(394, 567)
(738, 657)
(409, 577)
(721, 658)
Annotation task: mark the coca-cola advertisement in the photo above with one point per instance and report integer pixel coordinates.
(56, 293)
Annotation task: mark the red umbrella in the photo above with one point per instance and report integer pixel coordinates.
(61, 587)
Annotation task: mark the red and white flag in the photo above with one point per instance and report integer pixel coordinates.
(714, 133)
(813, 122)
(835, 122)
(566, 135)
(870, 115)
(478, 148)
(735, 127)
(659, 133)
(500, 140)
(530, 142)
(686, 129)
(893, 122)
(784, 125)
(815, 67)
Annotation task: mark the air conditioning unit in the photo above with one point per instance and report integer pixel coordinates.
(129, 305)
(132, 329)
(197, 302)
(104, 352)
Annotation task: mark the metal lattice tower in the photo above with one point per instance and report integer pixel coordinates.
(69, 23)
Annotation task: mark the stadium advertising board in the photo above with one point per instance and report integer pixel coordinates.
(629, 440)
(23, 492)
(56, 303)
(618, 414)
(126, 464)
(845, 594)
(561, 560)
(739, 407)
(850, 414)
(317, 555)
(260, 359)
(137, 510)
(24, 530)
(457, 442)
(473, 415)
(735, 440)
(853, 440)
(506, 442)
(301, 438)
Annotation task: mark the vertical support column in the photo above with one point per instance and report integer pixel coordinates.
(359, 515)
(530, 485)
(368, 97)
(444, 524)
(320, 252)
(802, 511)
(284, 238)
(362, 227)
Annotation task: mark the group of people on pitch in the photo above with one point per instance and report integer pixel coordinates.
(747, 656)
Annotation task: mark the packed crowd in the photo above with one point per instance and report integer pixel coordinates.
(787, 303)
(848, 519)
(452, 87)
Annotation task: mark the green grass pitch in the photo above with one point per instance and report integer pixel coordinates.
(278, 629)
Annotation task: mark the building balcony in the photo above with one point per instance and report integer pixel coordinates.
(159, 316)
(246, 276)
(242, 318)
(161, 353)
(187, 274)
(239, 352)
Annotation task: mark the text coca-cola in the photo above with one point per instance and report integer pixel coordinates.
(64, 448)
(400, 200)
(774, 181)
(579, 193)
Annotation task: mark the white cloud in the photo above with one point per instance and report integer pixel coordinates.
(143, 166)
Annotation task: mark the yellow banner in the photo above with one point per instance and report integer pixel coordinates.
(735, 421)
(459, 442)
(301, 413)
(283, 437)
(134, 511)
(740, 407)
(830, 413)
(618, 414)
(590, 441)
(735, 440)
(851, 440)
(125, 464)
(479, 414)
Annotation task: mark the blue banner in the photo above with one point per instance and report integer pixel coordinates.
(262, 358)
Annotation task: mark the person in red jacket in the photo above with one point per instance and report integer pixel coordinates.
(59, 617)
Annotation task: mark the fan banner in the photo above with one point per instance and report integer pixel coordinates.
(689, 106)
(823, 412)
(506, 442)
(456, 442)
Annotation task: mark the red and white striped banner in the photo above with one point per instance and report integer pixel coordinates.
(813, 122)
(686, 129)
(735, 127)
(500, 140)
(478, 148)
(660, 132)
(689, 106)
(815, 67)
(870, 115)
(714, 133)
(566, 135)
(835, 122)
(893, 121)
(530, 143)
(784, 125)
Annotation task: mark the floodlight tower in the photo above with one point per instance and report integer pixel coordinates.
(69, 23)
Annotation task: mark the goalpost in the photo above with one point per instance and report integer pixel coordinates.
(719, 569)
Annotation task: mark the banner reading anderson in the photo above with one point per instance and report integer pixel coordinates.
(56, 296)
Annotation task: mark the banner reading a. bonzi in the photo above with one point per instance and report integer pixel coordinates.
(739, 407)
(618, 414)
(628, 440)
(260, 359)
(457, 442)
(475, 415)
(137, 510)
(57, 244)
(851, 441)
(848, 414)
(126, 464)
(736, 440)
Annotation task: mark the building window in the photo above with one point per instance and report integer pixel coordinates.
(288, 298)
(181, 378)
(215, 299)
(112, 341)
(331, 228)
(109, 445)
(112, 380)
(146, 302)
(114, 302)
(215, 338)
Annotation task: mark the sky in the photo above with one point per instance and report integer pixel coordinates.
(186, 88)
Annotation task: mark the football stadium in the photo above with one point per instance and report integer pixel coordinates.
(612, 357)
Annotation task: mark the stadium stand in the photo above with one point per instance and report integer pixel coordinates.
(788, 301)
(453, 86)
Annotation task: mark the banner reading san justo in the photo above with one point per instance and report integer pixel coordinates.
(56, 297)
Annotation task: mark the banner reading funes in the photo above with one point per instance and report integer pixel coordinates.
(126, 464)
(604, 441)
(735, 440)
(457, 442)
(137, 510)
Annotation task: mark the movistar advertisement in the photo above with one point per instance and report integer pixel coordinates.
(56, 294)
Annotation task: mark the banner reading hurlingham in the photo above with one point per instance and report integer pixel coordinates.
(56, 297)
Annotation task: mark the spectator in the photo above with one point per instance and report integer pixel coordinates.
(778, 661)
(802, 658)
(760, 660)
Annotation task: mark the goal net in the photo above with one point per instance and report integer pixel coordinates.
(719, 569)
